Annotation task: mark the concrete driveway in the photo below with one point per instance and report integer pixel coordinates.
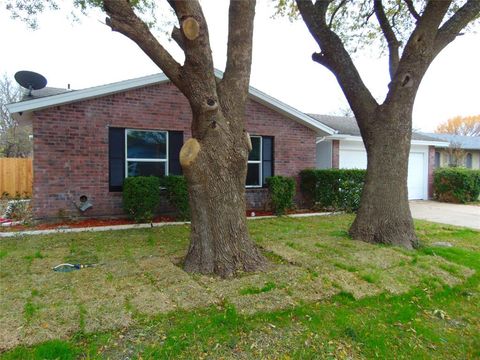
(445, 213)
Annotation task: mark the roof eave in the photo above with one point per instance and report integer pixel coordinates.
(103, 90)
(413, 142)
(84, 94)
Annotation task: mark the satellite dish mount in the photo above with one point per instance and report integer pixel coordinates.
(30, 80)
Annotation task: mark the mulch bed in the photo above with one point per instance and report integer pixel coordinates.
(109, 222)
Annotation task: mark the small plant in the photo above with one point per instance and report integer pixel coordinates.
(282, 192)
(141, 196)
(177, 194)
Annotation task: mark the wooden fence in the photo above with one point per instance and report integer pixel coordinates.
(16, 176)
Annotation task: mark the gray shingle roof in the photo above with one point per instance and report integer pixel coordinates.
(48, 91)
(465, 142)
(348, 126)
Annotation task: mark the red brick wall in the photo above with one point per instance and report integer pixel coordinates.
(335, 154)
(71, 144)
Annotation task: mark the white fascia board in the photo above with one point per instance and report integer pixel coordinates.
(85, 94)
(413, 142)
(289, 111)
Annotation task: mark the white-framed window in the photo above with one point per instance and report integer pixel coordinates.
(146, 153)
(254, 172)
(437, 159)
(468, 161)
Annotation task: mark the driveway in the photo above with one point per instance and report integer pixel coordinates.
(445, 213)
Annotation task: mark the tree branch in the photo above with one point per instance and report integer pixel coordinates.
(389, 34)
(457, 22)
(123, 19)
(177, 36)
(330, 22)
(335, 57)
(411, 9)
(239, 52)
(419, 52)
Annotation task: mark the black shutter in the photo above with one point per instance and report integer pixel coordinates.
(267, 158)
(116, 158)
(175, 143)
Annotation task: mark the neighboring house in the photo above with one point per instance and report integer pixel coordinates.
(463, 151)
(345, 150)
(87, 141)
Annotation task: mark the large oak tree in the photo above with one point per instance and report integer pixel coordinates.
(214, 160)
(413, 32)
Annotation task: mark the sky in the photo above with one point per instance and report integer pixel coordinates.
(88, 53)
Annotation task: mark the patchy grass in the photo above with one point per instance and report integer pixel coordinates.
(324, 296)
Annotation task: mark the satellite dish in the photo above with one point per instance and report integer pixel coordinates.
(30, 80)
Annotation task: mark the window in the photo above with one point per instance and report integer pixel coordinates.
(134, 152)
(468, 161)
(260, 161)
(254, 172)
(146, 153)
(437, 159)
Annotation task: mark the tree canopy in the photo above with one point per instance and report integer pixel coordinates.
(461, 125)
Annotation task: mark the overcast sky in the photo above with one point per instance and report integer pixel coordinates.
(88, 53)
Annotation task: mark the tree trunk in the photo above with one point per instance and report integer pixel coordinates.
(215, 169)
(384, 214)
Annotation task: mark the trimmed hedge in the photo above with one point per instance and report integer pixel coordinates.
(457, 185)
(333, 189)
(141, 196)
(177, 194)
(282, 192)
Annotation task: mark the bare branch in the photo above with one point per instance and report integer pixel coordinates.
(239, 53)
(177, 36)
(389, 34)
(418, 53)
(335, 58)
(123, 19)
(330, 22)
(411, 9)
(457, 22)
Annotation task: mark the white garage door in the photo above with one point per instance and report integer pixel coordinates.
(357, 159)
(416, 177)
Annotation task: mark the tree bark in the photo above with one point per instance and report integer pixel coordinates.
(214, 161)
(219, 240)
(384, 214)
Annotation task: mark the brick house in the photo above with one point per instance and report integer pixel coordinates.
(345, 150)
(87, 141)
(462, 151)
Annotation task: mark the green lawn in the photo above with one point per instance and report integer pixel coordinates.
(324, 296)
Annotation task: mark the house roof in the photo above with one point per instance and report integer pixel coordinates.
(42, 100)
(48, 91)
(348, 126)
(465, 142)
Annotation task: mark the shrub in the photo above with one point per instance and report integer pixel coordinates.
(141, 195)
(282, 192)
(177, 194)
(458, 185)
(333, 189)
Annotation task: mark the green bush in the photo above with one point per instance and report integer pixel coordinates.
(177, 194)
(282, 192)
(457, 185)
(141, 196)
(333, 189)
